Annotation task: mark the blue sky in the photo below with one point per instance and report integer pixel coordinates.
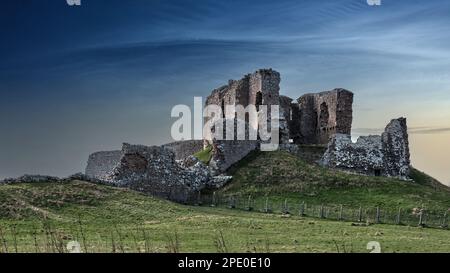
(74, 80)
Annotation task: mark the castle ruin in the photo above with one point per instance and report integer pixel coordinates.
(311, 119)
(323, 118)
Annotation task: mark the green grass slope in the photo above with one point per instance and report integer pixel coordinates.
(204, 155)
(281, 175)
(43, 217)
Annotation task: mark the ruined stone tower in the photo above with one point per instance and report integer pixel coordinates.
(312, 119)
(318, 117)
(259, 88)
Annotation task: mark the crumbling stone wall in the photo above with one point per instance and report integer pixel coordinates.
(385, 155)
(228, 152)
(225, 153)
(312, 119)
(264, 87)
(288, 113)
(307, 121)
(259, 88)
(153, 170)
(32, 178)
(365, 156)
(185, 148)
(322, 115)
(396, 148)
(100, 164)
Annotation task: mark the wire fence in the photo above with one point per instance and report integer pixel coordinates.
(364, 215)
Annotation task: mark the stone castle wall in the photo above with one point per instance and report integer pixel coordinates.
(259, 88)
(229, 152)
(322, 115)
(170, 171)
(153, 170)
(312, 119)
(396, 148)
(385, 155)
(185, 148)
(365, 156)
(100, 164)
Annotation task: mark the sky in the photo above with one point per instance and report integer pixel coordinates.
(80, 79)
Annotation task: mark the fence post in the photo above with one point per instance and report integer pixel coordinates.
(199, 198)
(444, 221)
(321, 212)
(341, 212)
(249, 203)
(360, 214)
(231, 202)
(213, 202)
(266, 208)
(285, 209)
(399, 220)
(377, 217)
(422, 218)
(302, 209)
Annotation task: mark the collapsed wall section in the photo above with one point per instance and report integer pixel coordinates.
(365, 156)
(101, 164)
(152, 170)
(385, 155)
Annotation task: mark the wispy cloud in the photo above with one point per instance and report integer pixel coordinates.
(431, 131)
(411, 130)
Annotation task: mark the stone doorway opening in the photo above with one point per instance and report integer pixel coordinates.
(377, 172)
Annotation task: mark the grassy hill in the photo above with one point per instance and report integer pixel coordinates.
(44, 217)
(281, 175)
